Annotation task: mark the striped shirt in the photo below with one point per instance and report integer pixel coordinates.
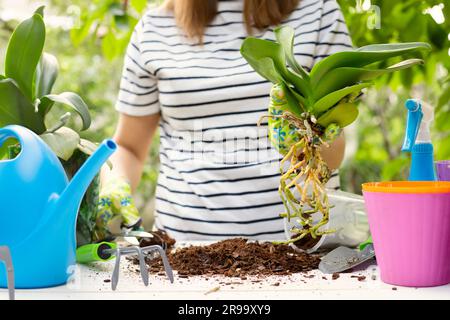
(219, 174)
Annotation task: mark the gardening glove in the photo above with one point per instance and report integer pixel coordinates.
(115, 202)
(282, 135)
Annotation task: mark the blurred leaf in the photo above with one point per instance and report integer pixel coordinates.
(63, 142)
(395, 169)
(436, 34)
(15, 108)
(46, 74)
(40, 11)
(109, 46)
(139, 5)
(5, 148)
(24, 52)
(68, 99)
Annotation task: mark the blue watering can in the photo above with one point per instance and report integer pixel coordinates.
(39, 208)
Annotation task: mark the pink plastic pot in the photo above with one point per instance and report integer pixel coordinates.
(410, 226)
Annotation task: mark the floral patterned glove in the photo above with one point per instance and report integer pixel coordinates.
(115, 201)
(282, 135)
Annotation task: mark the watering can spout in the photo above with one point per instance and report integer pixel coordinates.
(77, 187)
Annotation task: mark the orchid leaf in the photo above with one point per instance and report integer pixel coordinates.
(345, 76)
(69, 99)
(254, 50)
(343, 115)
(15, 108)
(331, 99)
(63, 142)
(285, 37)
(363, 57)
(24, 52)
(46, 74)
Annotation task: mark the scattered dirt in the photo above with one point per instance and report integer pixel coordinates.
(161, 238)
(236, 258)
(335, 276)
(360, 278)
(306, 243)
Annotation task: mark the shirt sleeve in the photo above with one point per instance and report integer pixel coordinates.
(333, 33)
(138, 93)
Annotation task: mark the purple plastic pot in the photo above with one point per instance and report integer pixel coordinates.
(443, 170)
(410, 226)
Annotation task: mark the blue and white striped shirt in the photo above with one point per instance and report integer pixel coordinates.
(219, 174)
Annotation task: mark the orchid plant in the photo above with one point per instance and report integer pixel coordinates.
(308, 110)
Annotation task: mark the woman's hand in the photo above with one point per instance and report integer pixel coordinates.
(133, 136)
(115, 202)
(283, 136)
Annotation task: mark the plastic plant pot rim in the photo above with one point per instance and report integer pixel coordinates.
(408, 187)
(442, 163)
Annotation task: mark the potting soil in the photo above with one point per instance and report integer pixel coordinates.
(236, 258)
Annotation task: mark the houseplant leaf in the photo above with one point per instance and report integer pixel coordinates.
(69, 99)
(15, 108)
(331, 99)
(46, 74)
(285, 37)
(254, 49)
(40, 11)
(63, 142)
(23, 53)
(341, 77)
(295, 102)
(343, 115)
(363, 57)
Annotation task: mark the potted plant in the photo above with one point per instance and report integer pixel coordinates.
(26, 99)
(310, 109)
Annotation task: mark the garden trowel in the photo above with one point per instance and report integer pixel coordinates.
(344, 258)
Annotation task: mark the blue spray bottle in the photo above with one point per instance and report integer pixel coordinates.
(418, 141)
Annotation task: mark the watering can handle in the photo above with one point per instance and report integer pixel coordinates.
(26, 138)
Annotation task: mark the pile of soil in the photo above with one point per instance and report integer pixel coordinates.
(236, 258)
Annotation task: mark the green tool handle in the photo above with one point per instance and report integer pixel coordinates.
(95, 252)
(365, 243)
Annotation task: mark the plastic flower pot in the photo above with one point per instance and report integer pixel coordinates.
(410, 226)
(348, 220)
(443, 170)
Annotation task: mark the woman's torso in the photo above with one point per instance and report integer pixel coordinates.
(219, 174)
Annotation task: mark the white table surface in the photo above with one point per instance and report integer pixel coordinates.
(88, 283)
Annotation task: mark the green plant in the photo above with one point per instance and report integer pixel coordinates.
(108, 22)
(382, 115)
(26, 100)
(316, 106)
(25, 92)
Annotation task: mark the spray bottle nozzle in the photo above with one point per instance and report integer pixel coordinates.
(415, 115)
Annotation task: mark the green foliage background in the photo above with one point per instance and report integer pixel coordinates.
(91, 53)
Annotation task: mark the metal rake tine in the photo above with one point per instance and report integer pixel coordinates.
(143, 266)
(162, 253)
(115, 275)
(5, 256)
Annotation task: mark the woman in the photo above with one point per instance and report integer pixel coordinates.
(184, 73)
